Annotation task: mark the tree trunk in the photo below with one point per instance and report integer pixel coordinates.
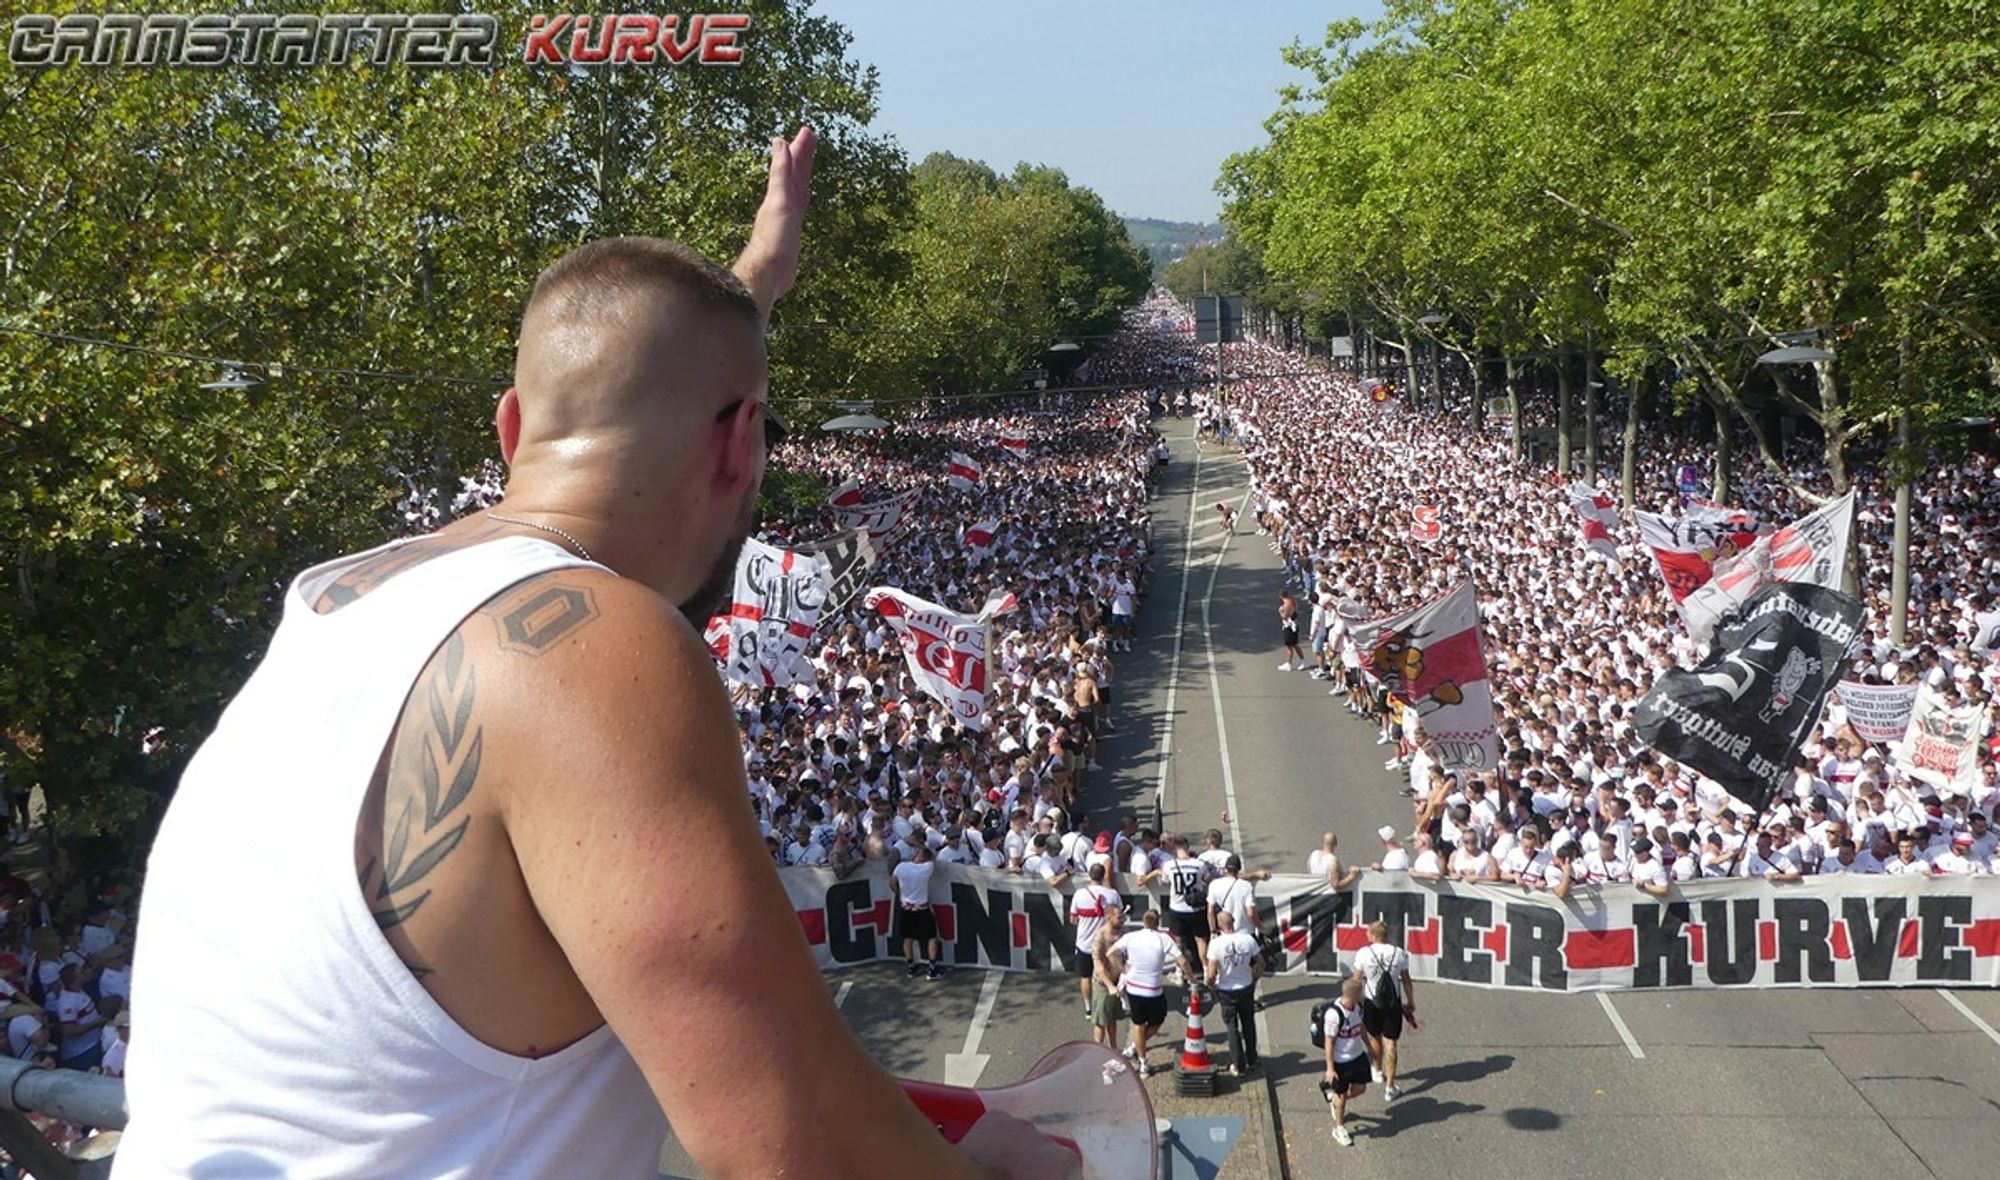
(1564, 396)
(1410, 372)
(1899, 569)
(1589, 414)
(1725, 446)
(1832, 422)
(1437, 375)
(1478, 397)
(1628, 470)
(1514, 406)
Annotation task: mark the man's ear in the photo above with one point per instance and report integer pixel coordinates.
(507, 424)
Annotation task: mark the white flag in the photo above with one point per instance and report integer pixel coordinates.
(1433, 657)
(946, 651)
(761, 640)
(1600, 516)
(1812, 549)
(963, 473)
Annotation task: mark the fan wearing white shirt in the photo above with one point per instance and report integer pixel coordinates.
(1470, 862)
(1141, 957)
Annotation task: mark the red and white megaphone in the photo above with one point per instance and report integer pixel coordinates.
(1082, 1096)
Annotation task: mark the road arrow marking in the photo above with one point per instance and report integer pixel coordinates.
(963, 1068)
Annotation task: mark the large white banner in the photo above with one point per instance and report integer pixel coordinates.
(1942, 745)
(1433, 656)
(1878, 712)
(1839, 931)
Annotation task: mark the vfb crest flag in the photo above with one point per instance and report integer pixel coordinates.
(1742, 714)
(1433, 657)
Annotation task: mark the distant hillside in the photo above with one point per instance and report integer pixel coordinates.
(1164, 241)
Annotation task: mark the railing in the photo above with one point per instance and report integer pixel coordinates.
(87, 1099)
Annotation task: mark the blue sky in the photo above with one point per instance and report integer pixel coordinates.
(1140, 100)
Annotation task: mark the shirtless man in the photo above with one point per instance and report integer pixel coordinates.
(441, 834)
(1085, 695)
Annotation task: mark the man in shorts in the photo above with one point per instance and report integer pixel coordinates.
(1105, 1008)
(1091, 908)
(1346, 1056)
(1140, 958)
(911, 881)
(1187, 904)
(1382, 971)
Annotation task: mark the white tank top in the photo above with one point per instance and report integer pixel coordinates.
(275, 1032)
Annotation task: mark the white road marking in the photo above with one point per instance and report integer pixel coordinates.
(1180, 629)
(840, 997)
(1969, 1014)
(1215, 682)
(1618, 1022)
(963, 1068)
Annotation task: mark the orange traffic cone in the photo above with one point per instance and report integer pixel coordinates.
(1194, 1053)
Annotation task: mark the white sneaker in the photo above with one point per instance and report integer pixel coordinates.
(1376, 1074)
(1285, 667)
(1335, 692)
(1383, 740)
(1131, 1054)
(1391, 1093)
(1341, 1136)
(1392, 764)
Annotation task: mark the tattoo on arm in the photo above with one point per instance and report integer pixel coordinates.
(541, 616)
(428, 780)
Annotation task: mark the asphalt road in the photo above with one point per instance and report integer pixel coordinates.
(1765, 1084)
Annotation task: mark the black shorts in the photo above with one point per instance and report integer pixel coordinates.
(917, 923)
(1386, 1023)
(1291, 634)
(1081, 966)
(1147, 1011)
(1188, 928)
(1349, 1075)
(1086, 722)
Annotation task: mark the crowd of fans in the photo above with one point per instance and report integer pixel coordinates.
(1573, 644)
(859, 763)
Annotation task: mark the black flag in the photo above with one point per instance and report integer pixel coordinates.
(1742, 714)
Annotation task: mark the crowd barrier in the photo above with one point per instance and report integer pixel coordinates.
(1834, 931)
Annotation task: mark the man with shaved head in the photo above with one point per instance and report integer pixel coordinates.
(437, 842)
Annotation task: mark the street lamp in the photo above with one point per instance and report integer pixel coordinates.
(233, 378)
(1795, 355)
(859, 417)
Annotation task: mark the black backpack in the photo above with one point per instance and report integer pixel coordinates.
(1382, 996)
(1193, 890)
(1318, 1032)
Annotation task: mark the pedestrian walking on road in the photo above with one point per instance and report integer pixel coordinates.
(1235, 963)
(1346, 1056)
(1091, 909)
(1382, 970)
(1288, 630)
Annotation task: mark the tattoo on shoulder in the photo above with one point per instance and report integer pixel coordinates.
(536, 618)
(430, 775)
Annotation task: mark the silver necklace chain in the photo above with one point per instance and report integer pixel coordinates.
(547, 528)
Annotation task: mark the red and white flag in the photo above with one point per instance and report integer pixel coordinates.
(1014, 438)
(1812, 549)
(761, 640)
(1600, 516)
(1684, 563)
(1730, 530)
(946, 651)
(1432, 656)
(978, 538)
(884, 521)
(1424, 524)
(963, 473)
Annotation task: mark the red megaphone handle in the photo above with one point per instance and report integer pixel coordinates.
(954, 1109)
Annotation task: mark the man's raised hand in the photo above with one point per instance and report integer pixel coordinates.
(769, 264)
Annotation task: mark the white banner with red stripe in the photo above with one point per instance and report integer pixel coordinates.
(947, 652)
(1014, 438)
(1434, 658)
(978, 538)
(1600, 516)
(963, 472)
(883, 520)
(1840, 931)
(1942, 745)
(1684, 564)
(1812, 549)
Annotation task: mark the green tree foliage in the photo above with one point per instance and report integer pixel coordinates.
(330, 224)
(1673, 181)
